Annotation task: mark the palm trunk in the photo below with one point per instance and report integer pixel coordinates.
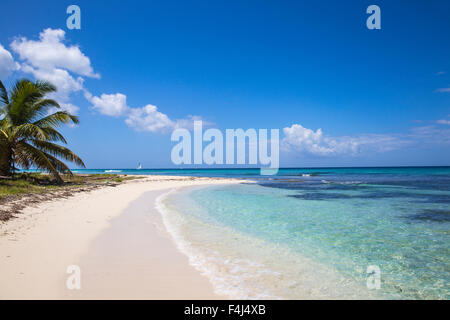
(58, 178)
(6, 162)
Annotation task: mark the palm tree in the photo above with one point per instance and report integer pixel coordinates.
(28, 131)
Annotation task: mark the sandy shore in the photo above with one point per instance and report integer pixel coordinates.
(116, 238)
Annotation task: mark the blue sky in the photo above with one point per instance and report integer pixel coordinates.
(380, 97)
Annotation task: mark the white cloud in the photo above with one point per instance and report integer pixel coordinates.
(49, 52)
(64, 82)
(442, 121)
(73, 109)
(443, 90)
(306, 141)
(7, 63)
(314, 142)
(50, 59)
(148, 118)
(114, 105)
(300, 139)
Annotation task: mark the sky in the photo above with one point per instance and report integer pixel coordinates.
(340, 94)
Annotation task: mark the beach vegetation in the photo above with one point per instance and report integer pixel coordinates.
(34, 187)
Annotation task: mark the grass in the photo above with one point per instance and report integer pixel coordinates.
(37, 183)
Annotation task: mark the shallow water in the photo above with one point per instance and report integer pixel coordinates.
(313, 234)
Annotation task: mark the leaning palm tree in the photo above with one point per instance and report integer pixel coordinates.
(28, 130)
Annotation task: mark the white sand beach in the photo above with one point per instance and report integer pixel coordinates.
(114, 235)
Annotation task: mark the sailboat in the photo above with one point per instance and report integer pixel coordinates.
(139, 166)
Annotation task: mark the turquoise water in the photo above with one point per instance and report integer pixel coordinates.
(312, 233)
(288, 172)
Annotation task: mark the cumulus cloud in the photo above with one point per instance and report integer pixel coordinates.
(314, 142)
(114, 105)
(50, 52)
(148, 118)
(300, 139)
(306, 141)
(64, 82)
(49, 58)
(7, 63)
(71, 108)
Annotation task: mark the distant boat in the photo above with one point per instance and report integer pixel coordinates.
(139, 166)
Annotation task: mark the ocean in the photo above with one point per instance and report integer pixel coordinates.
(317, 233)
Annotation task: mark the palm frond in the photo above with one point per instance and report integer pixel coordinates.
(56, 119)
(23, 95)
(42, 106)
(45, 87)
(58, 151)
(60, 166)
(4, 134)
(30, 130)
(39, 158)
(54, 135)
(27, 100)
(3, 94)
